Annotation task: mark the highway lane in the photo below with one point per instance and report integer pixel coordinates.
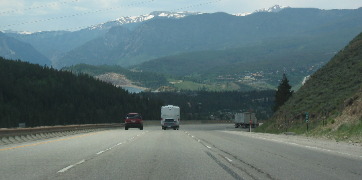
(216, 151)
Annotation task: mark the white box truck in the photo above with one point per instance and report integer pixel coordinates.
(243, 120)
(170, 117)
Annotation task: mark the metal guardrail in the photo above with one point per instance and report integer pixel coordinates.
(18, 135)
(52, 129)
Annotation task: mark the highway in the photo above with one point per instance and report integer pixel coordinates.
(204, 151)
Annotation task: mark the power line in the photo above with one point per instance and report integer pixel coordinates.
(75, 15)
(97, 11)
(38, 7)
(197, 5)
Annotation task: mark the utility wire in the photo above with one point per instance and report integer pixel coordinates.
(38, 7)
(75, 15)
(196, 5)
(89, 26)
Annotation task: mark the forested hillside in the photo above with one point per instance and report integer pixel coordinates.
(38, 96)
(331, 97)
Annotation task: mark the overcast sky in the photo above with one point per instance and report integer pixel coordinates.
(42, 15)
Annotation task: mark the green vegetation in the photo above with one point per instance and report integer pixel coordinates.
(194, 86)
(333, 91)
(145, 79)
(283, 93)
(40, 96)
(348, 131)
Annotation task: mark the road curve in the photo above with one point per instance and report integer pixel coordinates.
(214, 151)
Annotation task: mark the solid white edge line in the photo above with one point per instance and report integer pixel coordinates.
(306, 146)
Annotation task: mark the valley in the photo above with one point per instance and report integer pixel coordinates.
(191, 54)
(250, 92)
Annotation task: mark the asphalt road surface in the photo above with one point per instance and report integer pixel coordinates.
(213, 151)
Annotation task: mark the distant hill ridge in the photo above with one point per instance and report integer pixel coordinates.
(12, 48)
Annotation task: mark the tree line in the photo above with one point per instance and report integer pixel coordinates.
(200, 105)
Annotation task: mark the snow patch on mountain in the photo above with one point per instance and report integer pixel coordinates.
(142, 18)
(274, 9)
(242, 14)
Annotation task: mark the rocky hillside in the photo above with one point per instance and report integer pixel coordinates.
(332, 97)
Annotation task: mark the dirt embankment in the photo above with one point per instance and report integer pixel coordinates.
(118, 80)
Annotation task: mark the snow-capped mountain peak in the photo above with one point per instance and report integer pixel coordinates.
(275, 8)
(142, 18)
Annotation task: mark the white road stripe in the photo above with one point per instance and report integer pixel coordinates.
(100, 152)
(80, 162)
(208, 146)
(228, 159)
(65, 169)
(71, 166)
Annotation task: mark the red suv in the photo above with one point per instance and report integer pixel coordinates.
(133, 120)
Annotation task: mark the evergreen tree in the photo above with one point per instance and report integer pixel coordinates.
(283, 93)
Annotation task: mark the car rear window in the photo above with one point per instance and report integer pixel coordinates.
(133, 116)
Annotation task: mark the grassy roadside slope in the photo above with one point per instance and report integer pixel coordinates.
(332, 97)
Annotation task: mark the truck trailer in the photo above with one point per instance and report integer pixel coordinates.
(170, 117)
(245, 119)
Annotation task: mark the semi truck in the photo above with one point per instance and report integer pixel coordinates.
(245, 119)
(170, 117)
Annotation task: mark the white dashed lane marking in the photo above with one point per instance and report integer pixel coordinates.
(100, 152)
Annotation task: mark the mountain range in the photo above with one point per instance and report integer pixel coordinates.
(64, 41)
(218, 44)
(162, 37)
